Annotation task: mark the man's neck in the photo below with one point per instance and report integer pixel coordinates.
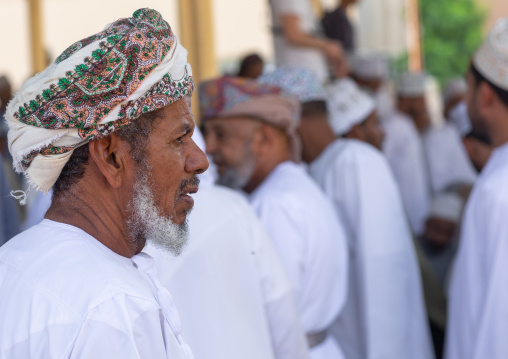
(263, 171)
(105, 222)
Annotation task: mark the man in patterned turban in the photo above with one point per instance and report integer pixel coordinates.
(108, 127)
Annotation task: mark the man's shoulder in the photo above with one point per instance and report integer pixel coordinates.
(350, 152)
(58, 264)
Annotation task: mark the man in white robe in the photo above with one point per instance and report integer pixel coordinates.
(354, 114)
(229, 286)
(478, 320)
(108, 127)
(384, 316)
(402, 145)
(250, 132)
(446, 157)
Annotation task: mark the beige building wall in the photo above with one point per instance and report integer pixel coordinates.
(240, 26)
(496, 9)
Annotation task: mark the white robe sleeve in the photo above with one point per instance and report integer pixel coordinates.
(478, 318)
(287, 236)
(367, 196)
(128, 328)
(288, 339)
(404, 151)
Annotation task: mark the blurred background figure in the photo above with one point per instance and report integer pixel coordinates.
(446, 157)
(454, 92)
(353, 113)
(10, 211)
(358, 180)
(402, 145)
(250, 131)
(337, 26)
(298, 40)
(439, 240)
(251, 66)
(478, 146)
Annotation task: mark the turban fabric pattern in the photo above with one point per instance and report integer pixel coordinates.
(230, 96)
(96, 86)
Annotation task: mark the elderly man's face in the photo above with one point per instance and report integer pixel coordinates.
(174, 161)
(230, 141)
(163, 179)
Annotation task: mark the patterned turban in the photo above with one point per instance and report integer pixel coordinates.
(231, 96)
(298, 81)
(96, 86)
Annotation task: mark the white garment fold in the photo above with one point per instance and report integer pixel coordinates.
(404, 151)
(63, 294)
(230, 289)
(384, 316)
(311, 244)
(477, 314)
(447, 158)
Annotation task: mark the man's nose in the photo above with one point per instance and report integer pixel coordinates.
(197, 162)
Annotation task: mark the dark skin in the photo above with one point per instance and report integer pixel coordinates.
(368, 131)
(371, 84)
(344, 4)
(415, 107)
(439, 232)
(227, 138)
(253, 71)
(316, 135)
(479, 152)
(487, 111)
(97, 202)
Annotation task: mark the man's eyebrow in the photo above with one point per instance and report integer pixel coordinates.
(185, 128)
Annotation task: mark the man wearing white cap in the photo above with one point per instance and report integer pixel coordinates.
(438, 246)
(108, 127)
(250, 131)
(402, 144)
(478, 320)
(231, 282)
(353, 113)
(385, 300)
(446, 157)
(454, 93)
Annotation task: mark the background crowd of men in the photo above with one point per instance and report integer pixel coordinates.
(342, 214)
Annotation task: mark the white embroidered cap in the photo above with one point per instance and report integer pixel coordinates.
(446, 206)
(411, 84)
(347, 105)
(371, 66)
(455, 87)
(491, 59)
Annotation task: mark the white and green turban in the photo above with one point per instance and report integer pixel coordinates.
(96, 86)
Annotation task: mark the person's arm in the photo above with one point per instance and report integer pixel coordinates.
(331, 49)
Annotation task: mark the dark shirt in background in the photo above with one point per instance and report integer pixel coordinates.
(337, 26)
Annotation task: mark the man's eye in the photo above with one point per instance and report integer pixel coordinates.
(180, 140)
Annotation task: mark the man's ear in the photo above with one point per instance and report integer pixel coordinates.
(111, 156)
(355, 132)
(486, 98)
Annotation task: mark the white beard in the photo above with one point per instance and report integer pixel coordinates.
(237, 178)
(146, 222)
